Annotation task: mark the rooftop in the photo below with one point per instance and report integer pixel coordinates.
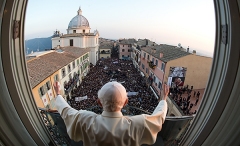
(41, 67)
(127, 41)
(75, 51)
(106, 46)
(36, 54)
(145, 42)
(169, 52)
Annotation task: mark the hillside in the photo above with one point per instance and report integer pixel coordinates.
(38, 44)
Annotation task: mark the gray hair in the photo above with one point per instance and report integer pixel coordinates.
(112, 96)
(111, 106)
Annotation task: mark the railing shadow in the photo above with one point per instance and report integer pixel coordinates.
(171, 134)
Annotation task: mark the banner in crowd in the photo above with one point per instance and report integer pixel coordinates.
(81, 98)
(121, 82)
(105, 67)
(113, 80)
(44, 99)
(132, 93)
(177, 71)
(50, 94)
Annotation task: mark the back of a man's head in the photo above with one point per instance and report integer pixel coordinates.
(112, 96)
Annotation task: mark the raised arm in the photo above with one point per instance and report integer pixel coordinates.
(70, 116)
(153, 123)
(165, 92)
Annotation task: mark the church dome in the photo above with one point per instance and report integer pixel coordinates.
(78, 21)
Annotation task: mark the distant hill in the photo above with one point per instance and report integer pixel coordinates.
(38, 44)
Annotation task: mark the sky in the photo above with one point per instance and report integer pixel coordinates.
(188, 22)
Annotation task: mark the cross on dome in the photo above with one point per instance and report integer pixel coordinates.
(79, 11)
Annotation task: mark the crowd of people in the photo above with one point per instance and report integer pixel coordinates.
(113, 69)
(182, 97)
(70, 83)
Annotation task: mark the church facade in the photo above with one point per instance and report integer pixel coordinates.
(79, 35)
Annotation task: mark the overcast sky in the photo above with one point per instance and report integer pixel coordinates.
(189, 22)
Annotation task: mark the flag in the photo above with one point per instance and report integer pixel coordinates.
(80, 98)
(50, 94)
(132, 93)
(44, 99)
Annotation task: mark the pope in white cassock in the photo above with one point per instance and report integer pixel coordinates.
(111, 127)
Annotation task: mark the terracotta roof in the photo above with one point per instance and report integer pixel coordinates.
(169, 52)
(44, 66)
(145, 42)
(106, 46)
(127, 41)
(76, 51)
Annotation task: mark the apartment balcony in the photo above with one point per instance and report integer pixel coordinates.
(151, 65)
(171, 134)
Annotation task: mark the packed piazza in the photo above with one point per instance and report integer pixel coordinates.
(140, 96)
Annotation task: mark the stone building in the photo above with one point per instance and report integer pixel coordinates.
(79, 35)
(105, 50)
(174, 65)
(125, 48)
(66, 65)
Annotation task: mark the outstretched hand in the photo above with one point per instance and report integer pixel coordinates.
(165, 91)
(57, 87)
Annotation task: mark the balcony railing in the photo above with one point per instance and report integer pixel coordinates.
(57, 128)
(179, 109)
(151, 65)
(171, 134)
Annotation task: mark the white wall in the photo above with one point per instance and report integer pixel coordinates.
(94, 55)
(65, 42)
(55, 42)
(79, 30)
(172, 108)
(81, 42)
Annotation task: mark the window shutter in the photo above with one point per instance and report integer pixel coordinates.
(48, 85)
(39, 92)
(57, 77)
(45, 89)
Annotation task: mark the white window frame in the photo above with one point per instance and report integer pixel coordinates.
(163, 64)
